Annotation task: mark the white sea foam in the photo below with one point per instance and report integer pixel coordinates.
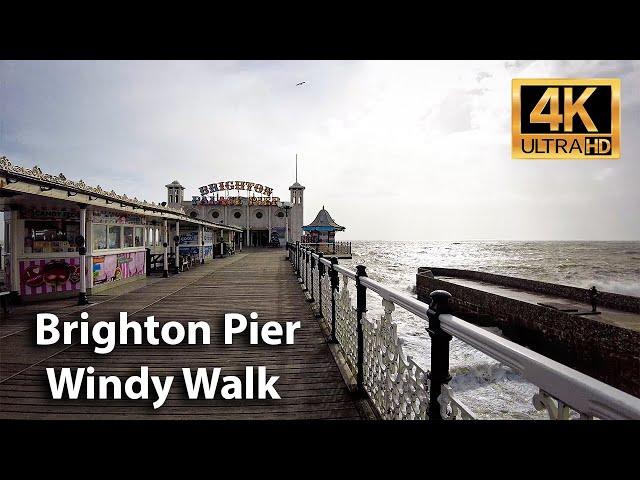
(492, 390)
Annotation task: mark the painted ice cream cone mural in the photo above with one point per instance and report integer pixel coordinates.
(49, 275)
(56, 273)
(61, 275)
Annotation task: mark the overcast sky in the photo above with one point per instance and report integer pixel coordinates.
(395, 150)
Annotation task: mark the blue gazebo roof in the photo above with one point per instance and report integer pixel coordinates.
(323, 223)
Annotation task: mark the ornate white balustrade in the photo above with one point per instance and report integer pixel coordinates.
(557, 409)
(303, 268)
(346, 325)
(396, 385)
(315, 281)
(326, 299)
(400, 389)
(451, 408)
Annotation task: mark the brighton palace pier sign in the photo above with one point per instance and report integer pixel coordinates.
(214, 188)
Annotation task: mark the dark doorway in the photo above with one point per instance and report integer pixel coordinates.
(260, 238)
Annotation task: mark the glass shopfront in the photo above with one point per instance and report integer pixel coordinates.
(50, 236)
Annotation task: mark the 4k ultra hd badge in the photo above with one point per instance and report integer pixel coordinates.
(562, 118)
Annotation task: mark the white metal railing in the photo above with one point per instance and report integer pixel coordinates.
(399, 388)
(329, 248)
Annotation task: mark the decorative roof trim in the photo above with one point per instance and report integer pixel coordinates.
(37, 175)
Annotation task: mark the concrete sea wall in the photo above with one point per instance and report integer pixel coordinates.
(605, 299)
(606, 352)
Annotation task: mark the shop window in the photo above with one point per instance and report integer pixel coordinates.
(114, 237)
(128, 237)
(99, 234)
(50, 236)
(139, 238)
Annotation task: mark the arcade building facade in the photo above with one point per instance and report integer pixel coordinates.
(249, 206)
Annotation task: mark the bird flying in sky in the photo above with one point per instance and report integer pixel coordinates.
(298, 84)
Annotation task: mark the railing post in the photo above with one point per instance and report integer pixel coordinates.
(335, 286)
(313, 265)
(320, 275)
(440, 339)
(334, 247)
(298, 258)
(306, 269)
(361, 308)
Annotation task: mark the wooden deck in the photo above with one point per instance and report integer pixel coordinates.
(310, 383)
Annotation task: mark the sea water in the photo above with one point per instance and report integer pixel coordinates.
(490, 389)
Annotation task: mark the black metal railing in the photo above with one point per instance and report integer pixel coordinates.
(399, 388)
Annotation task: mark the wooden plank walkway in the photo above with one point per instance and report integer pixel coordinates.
(310, 383)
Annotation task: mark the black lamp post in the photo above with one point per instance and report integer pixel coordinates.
(176, 240)
(286, 206)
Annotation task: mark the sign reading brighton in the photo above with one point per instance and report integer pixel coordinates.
(561, 118)
(215, 188)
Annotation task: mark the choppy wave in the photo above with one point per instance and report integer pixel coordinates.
(492, 390)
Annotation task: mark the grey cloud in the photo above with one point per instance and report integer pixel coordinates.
(134, 126)
(454, 113)
(518, 64)
(483, 75)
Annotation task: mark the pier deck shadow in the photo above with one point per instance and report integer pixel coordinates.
(310, 382)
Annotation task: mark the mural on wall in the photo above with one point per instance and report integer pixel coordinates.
(196, 250)
(188, 235)
(49, 276)
(111, 268)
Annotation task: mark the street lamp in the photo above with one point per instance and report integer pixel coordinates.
(287, 206)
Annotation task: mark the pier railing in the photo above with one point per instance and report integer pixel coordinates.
(399, 388)
(331, 248)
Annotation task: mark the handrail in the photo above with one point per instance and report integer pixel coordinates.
(345, 271)
(573, 389)
(324, 261)
(398, 298)
(560, 381)
(553, 377)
